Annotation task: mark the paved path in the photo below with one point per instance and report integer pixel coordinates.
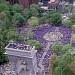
(41, 60)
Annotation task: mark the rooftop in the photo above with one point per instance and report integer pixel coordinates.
(19, 46)
(20, 49)
(51, 1)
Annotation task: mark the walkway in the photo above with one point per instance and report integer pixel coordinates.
(41, 60)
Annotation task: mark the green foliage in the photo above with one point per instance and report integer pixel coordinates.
(56, 48)
(60, 49)
(3, 16)
(54, 18)
(8, 14)
(29, 34)
(63, 65)
(34, 43)
(26, 13)
(67, 23)
(18, 18)
(34, 6)
(2, 1)
(68, 8)
(33, 22)
(73, 28)
(36, 10)
(4, 21)
(42, 20)
(3, 58)
(72, 18)
(73, 38)
(66, 48)
(3, 7)
(7, 23)
(3, 39)
(40, 10)
(57, 71)
(64, 61)
(7, 31)
(12, 35)
(17, 8)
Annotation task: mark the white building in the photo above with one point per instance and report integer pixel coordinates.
(22, 58)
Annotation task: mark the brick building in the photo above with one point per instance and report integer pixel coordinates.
(25, 3)
(52, 4)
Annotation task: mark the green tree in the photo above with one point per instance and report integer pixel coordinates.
(34, 6)
(42, 20)
(17, 8)
(34, 43)
(7, 23)
(33, 22)
(18, 19)
(58, 71)
(68, 8)
(36, 10)
(73, 28)
(3, 58)
(8, 14)
(63, 65)
(29, 34)
(13, 35)
(65, 60)
(55, 18)
(72, 18)
(56, 48)
(3, 16)
(66, 48)
(67, 23)
(26, 13)
(3, 39)
(3, 7)
(2, 1)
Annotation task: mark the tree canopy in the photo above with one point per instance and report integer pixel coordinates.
(4, 7)
(18, 18)
(67, 23)
(34, 43)
(54, 18)
(33, 22)
(56, 48)
(17, 8)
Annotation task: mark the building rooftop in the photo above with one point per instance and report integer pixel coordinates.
(20, 49)
(51, 1)
(20, 46)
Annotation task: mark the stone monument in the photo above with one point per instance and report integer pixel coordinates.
(22, 58)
